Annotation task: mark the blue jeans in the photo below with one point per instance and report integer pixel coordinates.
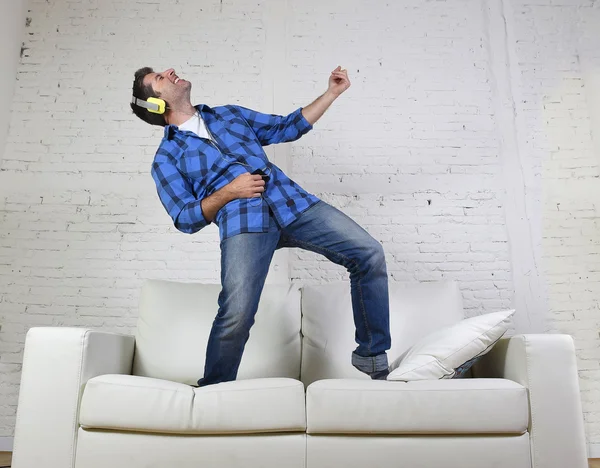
(245, 260)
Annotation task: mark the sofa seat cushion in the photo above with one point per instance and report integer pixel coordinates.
(143, 404)
(462, 406)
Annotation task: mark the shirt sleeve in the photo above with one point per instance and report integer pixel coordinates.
(177, 196)
(271, 128)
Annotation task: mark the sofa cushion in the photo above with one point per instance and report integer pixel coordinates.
(416, 309)
(463, 406)
(133, 403)
(176, 318)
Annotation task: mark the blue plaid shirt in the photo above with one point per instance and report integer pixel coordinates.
(188, 168)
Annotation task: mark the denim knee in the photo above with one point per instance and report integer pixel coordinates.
(237, 324)
(373, 256)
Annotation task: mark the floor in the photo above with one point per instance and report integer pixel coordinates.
(5, 458)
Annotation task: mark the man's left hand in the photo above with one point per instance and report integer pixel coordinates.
(338, 81)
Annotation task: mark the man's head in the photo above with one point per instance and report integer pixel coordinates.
(165, 85)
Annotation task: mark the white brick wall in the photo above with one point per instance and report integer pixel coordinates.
(12, 24)
(557, 41)
(416, 152)
(411, 152)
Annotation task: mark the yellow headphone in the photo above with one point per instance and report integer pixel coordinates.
(154, 105)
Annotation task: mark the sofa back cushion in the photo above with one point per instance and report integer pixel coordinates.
(416, 309)
(175, 320)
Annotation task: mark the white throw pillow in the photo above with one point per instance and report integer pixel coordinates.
(439, 354)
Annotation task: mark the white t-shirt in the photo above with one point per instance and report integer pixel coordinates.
(196, 124)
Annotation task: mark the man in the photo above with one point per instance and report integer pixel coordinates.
(210, 167)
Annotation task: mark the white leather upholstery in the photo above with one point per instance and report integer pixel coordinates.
(57, 363)
(175, 321)
(416, 309)
(460, 406)
(107, 449)
(73, 377)
(418, 452)
(132, 403)
(547, 366)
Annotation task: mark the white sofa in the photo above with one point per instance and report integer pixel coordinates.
(91, 399)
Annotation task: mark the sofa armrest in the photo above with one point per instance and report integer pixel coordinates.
(57, 363)
(547, 366)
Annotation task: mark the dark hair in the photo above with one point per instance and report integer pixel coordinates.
(142, 91)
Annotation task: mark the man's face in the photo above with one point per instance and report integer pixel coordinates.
(168, 85)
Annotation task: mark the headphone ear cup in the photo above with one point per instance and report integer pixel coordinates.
(162, 105)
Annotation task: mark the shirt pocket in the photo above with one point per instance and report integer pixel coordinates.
(239, 129)
(242, 140)
(195, 166)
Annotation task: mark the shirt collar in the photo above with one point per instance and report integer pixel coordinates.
(170, 129)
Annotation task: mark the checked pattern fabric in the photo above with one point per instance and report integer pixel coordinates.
(188, 168)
